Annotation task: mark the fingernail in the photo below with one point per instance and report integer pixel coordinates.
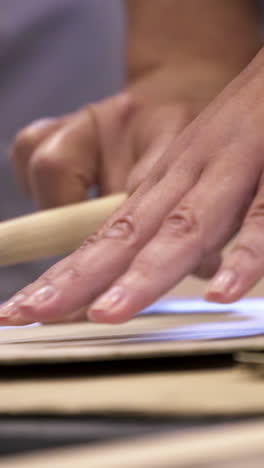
(41, 295)
(223, 282)
(10, 307)
(106, 302)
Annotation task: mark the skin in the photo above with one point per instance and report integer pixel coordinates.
(188, 173)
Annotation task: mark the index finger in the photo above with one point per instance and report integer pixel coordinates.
(107, 255)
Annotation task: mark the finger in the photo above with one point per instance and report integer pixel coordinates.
(9, 312)
(244, 264)
(26, 142)
(77, 316)
(209, 266)
(18, 320)
(190, 232)
(64, 165)
(73, 317)
(106, 256)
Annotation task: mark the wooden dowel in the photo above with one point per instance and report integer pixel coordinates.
(53, 232)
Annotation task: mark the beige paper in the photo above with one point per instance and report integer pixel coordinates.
(227, 391)
(186, 393)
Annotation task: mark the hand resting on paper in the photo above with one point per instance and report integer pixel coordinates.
(192, 189)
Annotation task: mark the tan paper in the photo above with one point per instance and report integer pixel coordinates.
(186, 393)
(228, 391)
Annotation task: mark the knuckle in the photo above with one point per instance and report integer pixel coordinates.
(249, 251)
(182, 222)
(50, 274)
(126, 106)
(90, 241)
(22, 143)
(74, 273)
(28, 138)
(122, 107)
(44, 162)
(123, 228)
(183, 225)
(256, 215)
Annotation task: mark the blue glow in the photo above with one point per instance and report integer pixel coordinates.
(250, 307)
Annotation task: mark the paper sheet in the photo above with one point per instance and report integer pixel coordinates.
(168, 328)
(226, 391)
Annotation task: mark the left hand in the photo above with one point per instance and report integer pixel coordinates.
(111, 143)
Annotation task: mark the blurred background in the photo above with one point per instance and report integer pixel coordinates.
(55, 56)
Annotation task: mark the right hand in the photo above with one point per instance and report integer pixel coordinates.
(208, 186)
(113, 143)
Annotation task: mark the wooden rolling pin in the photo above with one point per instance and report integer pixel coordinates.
(53, 232)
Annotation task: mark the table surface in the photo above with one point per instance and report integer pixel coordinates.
(26, 433)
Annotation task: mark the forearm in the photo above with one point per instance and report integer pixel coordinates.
(194, 40)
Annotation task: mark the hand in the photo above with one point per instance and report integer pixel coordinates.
(172, 72)
(206, 187)
(57, 160)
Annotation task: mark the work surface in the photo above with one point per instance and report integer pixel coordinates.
(172, 370)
